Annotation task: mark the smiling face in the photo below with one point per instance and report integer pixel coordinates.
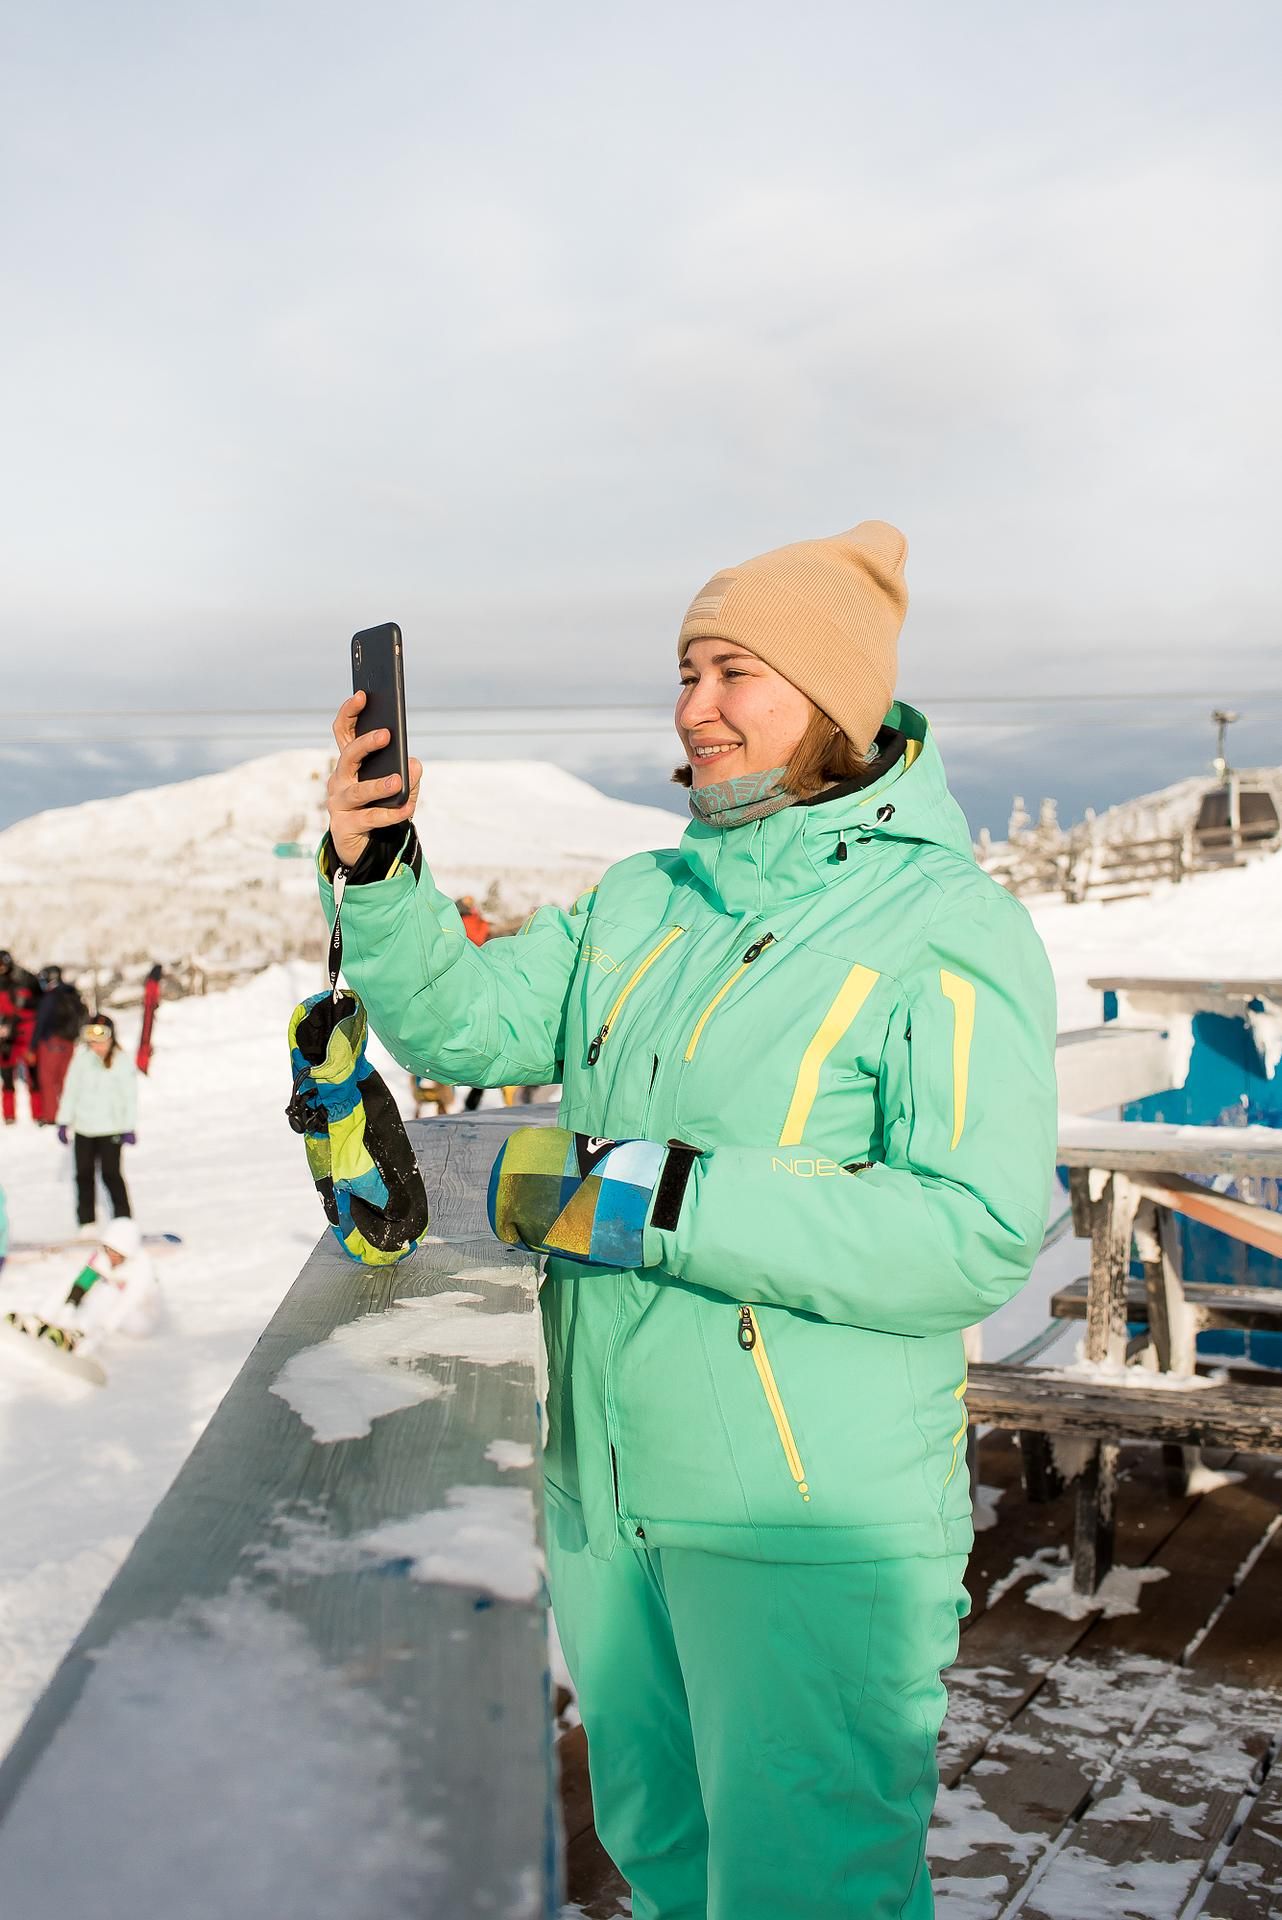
(736, 715)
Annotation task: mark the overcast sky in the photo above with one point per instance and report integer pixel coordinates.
(514, 323)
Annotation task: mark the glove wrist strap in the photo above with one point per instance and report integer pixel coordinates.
(671, 1190)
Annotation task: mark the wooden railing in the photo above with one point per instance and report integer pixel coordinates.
(319, 1684)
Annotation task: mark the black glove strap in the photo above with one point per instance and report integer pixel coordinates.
(671, 1190)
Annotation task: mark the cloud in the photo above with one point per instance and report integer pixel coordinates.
(583, 312)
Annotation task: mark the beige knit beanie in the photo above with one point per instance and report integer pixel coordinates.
(824, 613)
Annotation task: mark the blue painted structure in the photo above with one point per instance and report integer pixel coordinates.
(1227, 1085)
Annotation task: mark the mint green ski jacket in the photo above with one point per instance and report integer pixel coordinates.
(862, 1048)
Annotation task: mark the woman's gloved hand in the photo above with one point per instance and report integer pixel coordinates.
(584, 1198)
(129, 1139)
(62, 1136)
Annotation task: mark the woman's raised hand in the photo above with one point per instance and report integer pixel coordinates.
(353, 803)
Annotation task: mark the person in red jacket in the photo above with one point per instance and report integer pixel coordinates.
(475, 925)
(19, 995)
(477, 929)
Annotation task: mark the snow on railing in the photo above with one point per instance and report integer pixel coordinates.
(320, 1682)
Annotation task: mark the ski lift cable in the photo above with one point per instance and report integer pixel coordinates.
(1035, 699)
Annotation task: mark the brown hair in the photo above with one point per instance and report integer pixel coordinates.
(823, 757)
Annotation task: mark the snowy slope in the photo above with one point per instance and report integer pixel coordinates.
(1215, 925)
(189, 869)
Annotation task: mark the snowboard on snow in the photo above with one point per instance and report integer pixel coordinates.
(44, 1351)
(23, 1251)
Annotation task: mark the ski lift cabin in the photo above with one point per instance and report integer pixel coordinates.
(1239, 816)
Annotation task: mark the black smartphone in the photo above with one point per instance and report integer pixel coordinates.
(378, 673)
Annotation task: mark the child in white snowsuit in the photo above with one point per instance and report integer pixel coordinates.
(99, 1106)
(116, 1291)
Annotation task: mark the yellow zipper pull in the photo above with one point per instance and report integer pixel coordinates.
(747, 1332)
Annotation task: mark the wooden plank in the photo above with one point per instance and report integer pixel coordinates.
(1109, 1066)
(1244, 1647)
(1248, 1884)
(576, 1785)
(1024, 1526)
(1112, 1221)
(1008, 1646)
(1210, 1304)
(1079, 1199)
(301, 1642)
(1094, 1498)
(1240, 988)
(1218, 1531)
(1173, 1327)
(1113, 1214)
(1166, 1801)
(1237, 1416)
(1151, 1146)
(994, 1826)
(1253, 1225)
(593, 1882)
(1032, 1786)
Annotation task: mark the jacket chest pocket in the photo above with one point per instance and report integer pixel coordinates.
(616, 969)
(750, 955)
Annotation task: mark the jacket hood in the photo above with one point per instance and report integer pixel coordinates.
(797, 850)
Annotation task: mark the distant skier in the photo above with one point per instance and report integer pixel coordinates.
(58, 1021)
(477, 929)
(114, 1292)
(430, 1093)
(99, 1106)
(19, 993)
(475, 925)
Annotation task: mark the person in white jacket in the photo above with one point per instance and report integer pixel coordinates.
(99, 1106)
(116, 1291)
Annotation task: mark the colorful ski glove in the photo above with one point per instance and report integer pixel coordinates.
(587, 1199)
(357, 1147)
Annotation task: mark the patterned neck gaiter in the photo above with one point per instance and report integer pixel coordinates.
(733, 803)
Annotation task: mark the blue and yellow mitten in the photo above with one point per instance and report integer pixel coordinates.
(358, 1150)
(584, 1198)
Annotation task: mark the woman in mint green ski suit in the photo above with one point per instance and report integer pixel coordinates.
(757, 1500)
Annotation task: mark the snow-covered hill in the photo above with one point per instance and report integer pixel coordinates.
(189, 869)
(1225, 925)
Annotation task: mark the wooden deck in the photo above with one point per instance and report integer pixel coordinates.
(1128, 1766)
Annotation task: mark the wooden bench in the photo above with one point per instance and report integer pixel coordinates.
(319, 1683)
(1128, 1183)
(1240, 1309)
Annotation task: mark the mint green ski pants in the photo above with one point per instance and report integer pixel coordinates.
(761, 1736)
